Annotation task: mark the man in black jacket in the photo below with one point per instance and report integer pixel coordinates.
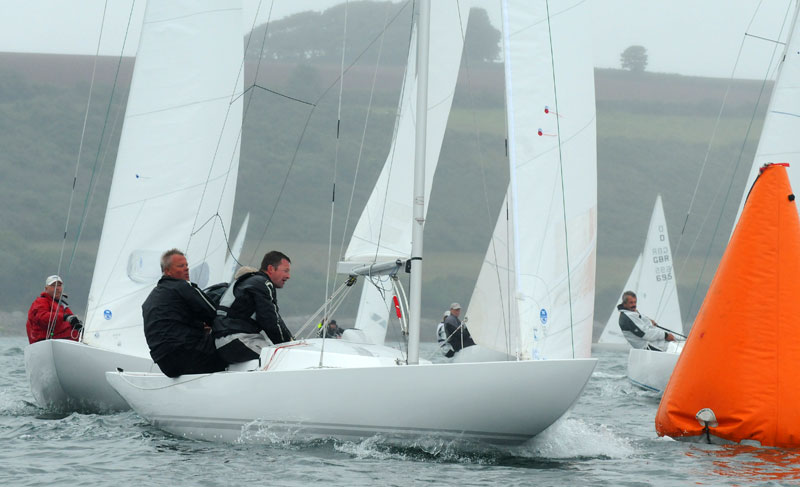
(250, 307)
(177, 316)
(457, 334)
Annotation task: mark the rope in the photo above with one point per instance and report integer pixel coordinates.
(735, 169)
(335, 167)
(363, 134)
(83, 138)
(56, 303)
(305, 127)
(703, 167)
(561, 171)
(233, 98)
(92, 180)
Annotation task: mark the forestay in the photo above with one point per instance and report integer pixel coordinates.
(535, 293)
(176, 166)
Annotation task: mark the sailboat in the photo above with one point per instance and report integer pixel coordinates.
(173, 186)
(653, 281)
(380, 390)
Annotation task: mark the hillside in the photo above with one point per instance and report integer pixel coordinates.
(653, 135)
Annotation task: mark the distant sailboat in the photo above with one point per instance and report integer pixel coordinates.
(653, 281)
(173, 186)
(737, 379)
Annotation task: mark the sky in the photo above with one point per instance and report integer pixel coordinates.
(690, 37)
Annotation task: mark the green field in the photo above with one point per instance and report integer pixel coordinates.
(654, 132)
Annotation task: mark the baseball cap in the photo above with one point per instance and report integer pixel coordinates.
(52, 280)
(455, 306)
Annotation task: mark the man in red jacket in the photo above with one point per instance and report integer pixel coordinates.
(50, 316)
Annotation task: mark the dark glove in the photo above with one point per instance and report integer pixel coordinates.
(74, 322)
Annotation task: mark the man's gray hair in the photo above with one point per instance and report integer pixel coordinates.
(627, 294)
(166, 258)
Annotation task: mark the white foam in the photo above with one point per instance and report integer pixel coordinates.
(572, 438)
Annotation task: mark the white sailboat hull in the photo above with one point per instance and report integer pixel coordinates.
(67, 376)
(651, 370)
(478, 353)
(498, 402)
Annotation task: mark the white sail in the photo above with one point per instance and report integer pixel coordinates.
(535, 293)
(612, 334)
(779, 141)
(383, 232)
(175, 175)
(653, 281)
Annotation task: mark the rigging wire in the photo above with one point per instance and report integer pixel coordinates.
(54, 304)
(92, 182)
(688, 310)
(307, 122)
(326, 316)
(705, 162)
(390, 163)
(234, 97)
(364, 134)
(368, 279)
(561, 172)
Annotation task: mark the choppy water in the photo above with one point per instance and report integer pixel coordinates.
(607, 439)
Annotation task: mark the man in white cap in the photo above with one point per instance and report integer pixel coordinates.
(50, 316)
(457, 334)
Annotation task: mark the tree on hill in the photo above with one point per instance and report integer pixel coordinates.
(316, 37)
(634, 59)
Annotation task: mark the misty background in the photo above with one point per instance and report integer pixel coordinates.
(657, 133)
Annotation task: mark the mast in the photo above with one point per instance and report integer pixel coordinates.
(418, 223)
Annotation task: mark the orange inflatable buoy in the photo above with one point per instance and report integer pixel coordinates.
(738, 378)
